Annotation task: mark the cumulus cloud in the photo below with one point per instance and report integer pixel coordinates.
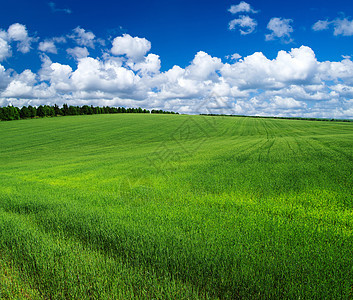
(235, 56)
(149, 66)
(304, 93)
(78, 52)
(341, 26)
(287, 103)
(185, 87)
(96, 75)
(280, 28)
(83, 37)
(343, 89)
(337, 71)
(258, 72)
(132, 47)
(241, 7)
(4, 78)
(3, 34)
(204, 66)
(5, 49)
(247, 25)
(18, 33)
(58, 75)
(48, 46)
(22, 85)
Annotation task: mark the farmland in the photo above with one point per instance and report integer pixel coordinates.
(175, 207)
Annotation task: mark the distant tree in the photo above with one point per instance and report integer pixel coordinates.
(33, 111)
(113, 110)
(73, 110)
(16, 113)
(86, 110)
(95, 109)
(10, 113)
(65, 110)
(49, 111)
(6, 114)
(40, 111)
(57, 110)
(25, 112)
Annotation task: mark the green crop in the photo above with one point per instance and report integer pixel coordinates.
(137, 206)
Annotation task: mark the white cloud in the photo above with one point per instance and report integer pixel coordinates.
(286, 103)
(318, 92)
(149, 66)
(133, 47)
(247, 25)
(258, 72)
(94, 75)
(337, 71)
(21, 86)
(280, 28)
(48, 46)
(78, 52)
(4, 78)
(203, 67)
(83, 37)
(321, 25)
(5, 49)
(58, 75)
(343, 89)
(235, 56)
(299, 65)
(343, 27)
(59, 39)
(184, 87)
(241, 7)
(340, 26)
(3, 35)
(18, 33)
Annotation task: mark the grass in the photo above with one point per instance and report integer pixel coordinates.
(175, 207)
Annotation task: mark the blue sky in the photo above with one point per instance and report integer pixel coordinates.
(53, 51)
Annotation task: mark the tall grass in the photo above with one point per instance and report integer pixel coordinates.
(176, 207)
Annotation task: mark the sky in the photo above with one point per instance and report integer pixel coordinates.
(266, 58)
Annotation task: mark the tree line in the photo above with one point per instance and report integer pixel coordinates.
(9, 113)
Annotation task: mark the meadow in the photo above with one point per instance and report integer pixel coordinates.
(136, 206)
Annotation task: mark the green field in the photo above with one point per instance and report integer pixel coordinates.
(175, 207)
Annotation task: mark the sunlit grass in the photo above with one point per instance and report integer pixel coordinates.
(177, 207)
